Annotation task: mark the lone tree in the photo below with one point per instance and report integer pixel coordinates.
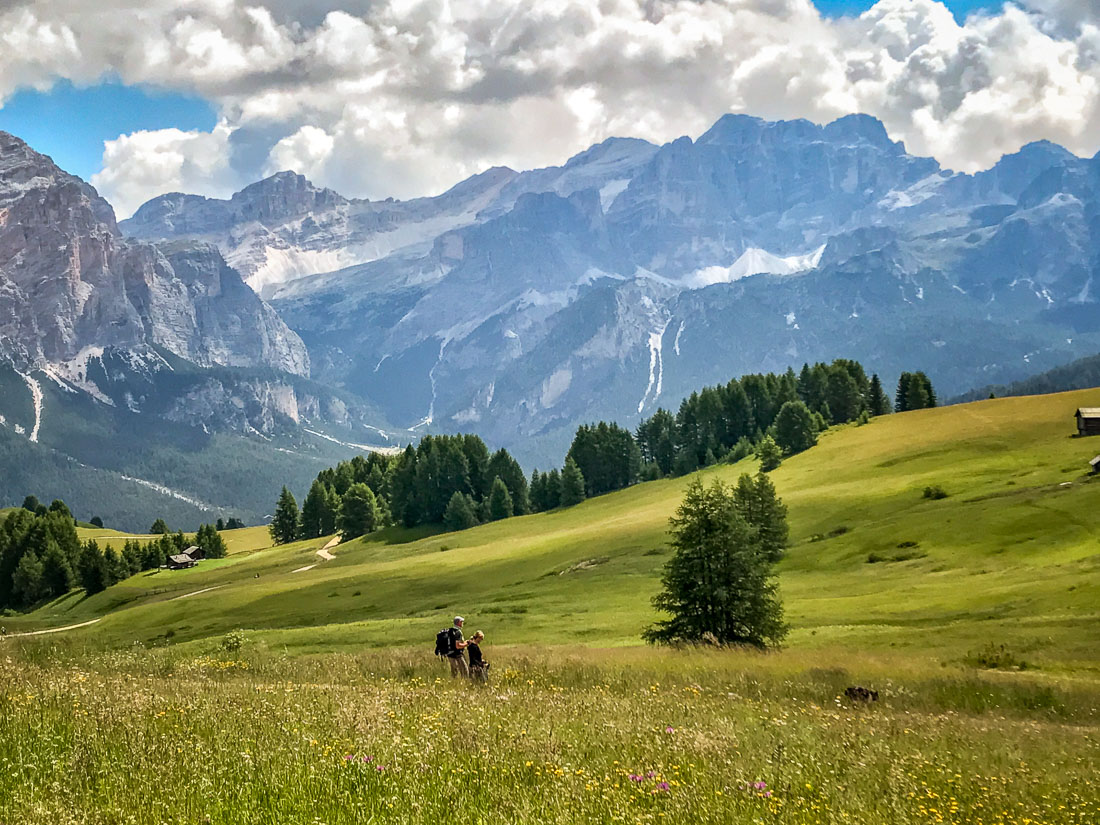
(284, 526)
(719, 583)
(159, 528)
(878, 402)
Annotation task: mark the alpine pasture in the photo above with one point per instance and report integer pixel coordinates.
(286, 688)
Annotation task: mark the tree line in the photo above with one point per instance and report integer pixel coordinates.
(42, 557)
(453, 480)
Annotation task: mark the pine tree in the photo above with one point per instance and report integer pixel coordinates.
(359, 513)
(219, 525)
(313, 511)
(572, 484)
(878, 402)
(769, 454)
(500, 501)
(763, 510)
(459, 514)
(552, 482)
(794, 428)
(901, 401)
(211, 542)
(92, 569)
(718, 584)
(116, 569)
(331, 512)
(284, 525)
(916, 393)
(159, 527)
(57, 573)
(26, 581)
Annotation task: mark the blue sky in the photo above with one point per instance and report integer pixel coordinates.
(70, 124)
(960, 7)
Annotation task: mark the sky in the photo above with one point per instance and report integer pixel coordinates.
(380, 98)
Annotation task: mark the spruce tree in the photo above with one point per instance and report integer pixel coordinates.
(718, 584)
(769, 454)
(794, 428)
(359, 512)
(159, 528)
(211, 542)
(572, 484)
(878, 402)
(916, 392)
(284, 525)
(901, 400)
(92, 569)
(27, 581)
(115, 567)
(313, 511)
(459, 514)
(552, 483)
(57, 573)
(331, 512)
(763, 510)
(500, 501)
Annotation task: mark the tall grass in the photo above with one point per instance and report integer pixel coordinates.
(204, 735)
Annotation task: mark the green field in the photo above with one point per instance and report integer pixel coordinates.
(882, 587)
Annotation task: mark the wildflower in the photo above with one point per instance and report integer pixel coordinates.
(662, 786)
(381, 768)
(368, 758)
(348, 757)
(760, 785)
(670, 729)
(650, 774)
(635, 777)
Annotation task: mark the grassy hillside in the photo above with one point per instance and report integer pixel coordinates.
(1010, 556)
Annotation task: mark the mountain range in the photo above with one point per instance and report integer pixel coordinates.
(519, 304)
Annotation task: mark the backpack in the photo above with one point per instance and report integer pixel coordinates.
(445, 642)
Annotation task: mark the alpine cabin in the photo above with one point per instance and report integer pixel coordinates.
(1088, 421)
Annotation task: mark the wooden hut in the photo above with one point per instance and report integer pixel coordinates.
(1088, 421)
(195, 552)
(180, 561)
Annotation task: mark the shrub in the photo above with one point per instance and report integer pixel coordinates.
(233, 641)
(935, 492)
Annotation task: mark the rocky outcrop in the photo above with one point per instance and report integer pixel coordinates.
(69, 281)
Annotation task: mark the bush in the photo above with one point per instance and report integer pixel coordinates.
(935, 492)
(995, 657)
(233, 641)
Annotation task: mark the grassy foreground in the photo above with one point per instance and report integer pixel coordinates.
(333, 711)
(251, 736)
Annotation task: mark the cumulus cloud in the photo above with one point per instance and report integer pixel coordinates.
(405, 97)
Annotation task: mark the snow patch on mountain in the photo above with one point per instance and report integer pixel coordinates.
(754, 261)
(612, 190)
(656, 365)
(36, 397)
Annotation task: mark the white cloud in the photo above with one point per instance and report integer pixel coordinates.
(166, 160)
(405, 97)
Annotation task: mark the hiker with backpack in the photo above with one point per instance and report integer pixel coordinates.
(449, 645)
(479, 666)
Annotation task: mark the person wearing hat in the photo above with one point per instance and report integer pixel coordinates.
(457, 657)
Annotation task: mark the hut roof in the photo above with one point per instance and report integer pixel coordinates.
(180, 558)
(1089, 412)
(194, 548)
(1095, 462)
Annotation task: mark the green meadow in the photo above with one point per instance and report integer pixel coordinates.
(254, 688)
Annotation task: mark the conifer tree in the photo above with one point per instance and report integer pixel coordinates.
(57, 573)
(284, 525)
(359, 512)
(31, 504)
(92, 569)
(500, 501)
(878, 402)
(116, 569)
(459, 514)
(763, 510)
(26, 581)
(769, 454)
(794, 428)
(313, 511)
(552, 484)
(718, 584)
(159, 527)
(211, 542)
(572, 484)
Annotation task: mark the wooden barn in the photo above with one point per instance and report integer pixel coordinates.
(1088, 421)
(180, 561)
(195, 552)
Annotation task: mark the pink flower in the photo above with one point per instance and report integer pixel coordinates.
(670, 729)
(650, 774)
(348, 758)
(662, 786)
(368, 758)
(381, 768)
(634, 777)
(760, 785)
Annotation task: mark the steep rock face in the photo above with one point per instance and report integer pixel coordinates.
(70, 281)
(634, 273)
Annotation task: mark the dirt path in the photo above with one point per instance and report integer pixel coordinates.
(51, 630)
(195, 593)
(324, 551)
(304, 569)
